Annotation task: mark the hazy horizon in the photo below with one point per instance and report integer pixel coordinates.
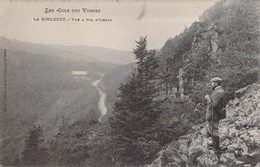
(54, 44)
(159, 20)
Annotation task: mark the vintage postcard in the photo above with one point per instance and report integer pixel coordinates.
(129, 83)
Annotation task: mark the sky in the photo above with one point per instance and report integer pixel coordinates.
(159, 20)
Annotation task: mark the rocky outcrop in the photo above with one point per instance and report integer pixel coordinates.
(239, 138)
(207, 37)
(180, 78)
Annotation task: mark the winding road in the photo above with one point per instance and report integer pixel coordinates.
(101, 103)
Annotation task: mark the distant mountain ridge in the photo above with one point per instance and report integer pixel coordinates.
(42, 90)
(87, 53)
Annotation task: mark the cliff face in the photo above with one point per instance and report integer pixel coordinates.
(223, 43)
(239, 137)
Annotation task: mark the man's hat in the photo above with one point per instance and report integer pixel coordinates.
(216, 79)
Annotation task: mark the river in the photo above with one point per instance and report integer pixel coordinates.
(102, 100)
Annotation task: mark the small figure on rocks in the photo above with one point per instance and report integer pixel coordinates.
(215, 112)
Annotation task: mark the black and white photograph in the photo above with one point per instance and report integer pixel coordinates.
(130, 83)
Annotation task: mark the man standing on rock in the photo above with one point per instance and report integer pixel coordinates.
(215, 111)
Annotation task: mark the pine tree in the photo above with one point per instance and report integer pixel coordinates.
(33, 153)
(141, 53)
(136, 111)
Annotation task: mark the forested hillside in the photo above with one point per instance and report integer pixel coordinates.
(42, 90)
